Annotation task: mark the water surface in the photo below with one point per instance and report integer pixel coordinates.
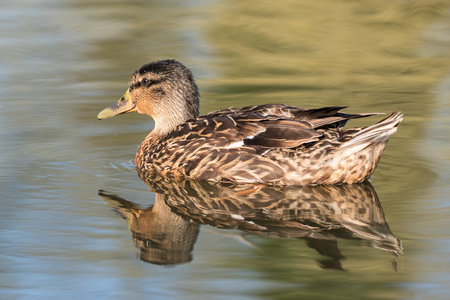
(63, 61)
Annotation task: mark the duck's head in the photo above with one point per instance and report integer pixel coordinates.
(164, 90)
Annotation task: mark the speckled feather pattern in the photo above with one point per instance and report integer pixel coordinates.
(280, 211)
(271, 144)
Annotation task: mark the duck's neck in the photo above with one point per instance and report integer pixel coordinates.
(166, 119)
(173, 113)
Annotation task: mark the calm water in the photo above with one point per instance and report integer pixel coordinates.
(63, 61)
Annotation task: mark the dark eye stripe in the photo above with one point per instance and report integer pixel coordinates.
(143, 83)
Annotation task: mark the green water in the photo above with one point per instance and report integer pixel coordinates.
(64, 61)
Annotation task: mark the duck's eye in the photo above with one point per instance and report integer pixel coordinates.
(145, 81)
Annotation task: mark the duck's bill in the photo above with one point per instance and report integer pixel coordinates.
(123, 106)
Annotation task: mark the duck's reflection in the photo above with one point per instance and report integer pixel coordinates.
(162, 236)
(166, 232)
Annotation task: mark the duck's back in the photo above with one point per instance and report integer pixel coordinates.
(272, 144)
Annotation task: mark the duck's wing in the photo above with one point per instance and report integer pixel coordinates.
(268, 125)
(239, 146)
(324, 117)
(246, 129)
(271, 131)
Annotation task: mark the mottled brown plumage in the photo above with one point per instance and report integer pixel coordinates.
(166, 232)
(270, 143)
(319, 212)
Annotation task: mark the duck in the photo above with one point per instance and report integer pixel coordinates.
(270, 144)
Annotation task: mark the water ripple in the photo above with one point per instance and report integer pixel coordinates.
(123, 163)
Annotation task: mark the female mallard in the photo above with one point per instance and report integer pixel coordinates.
(270, 143)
